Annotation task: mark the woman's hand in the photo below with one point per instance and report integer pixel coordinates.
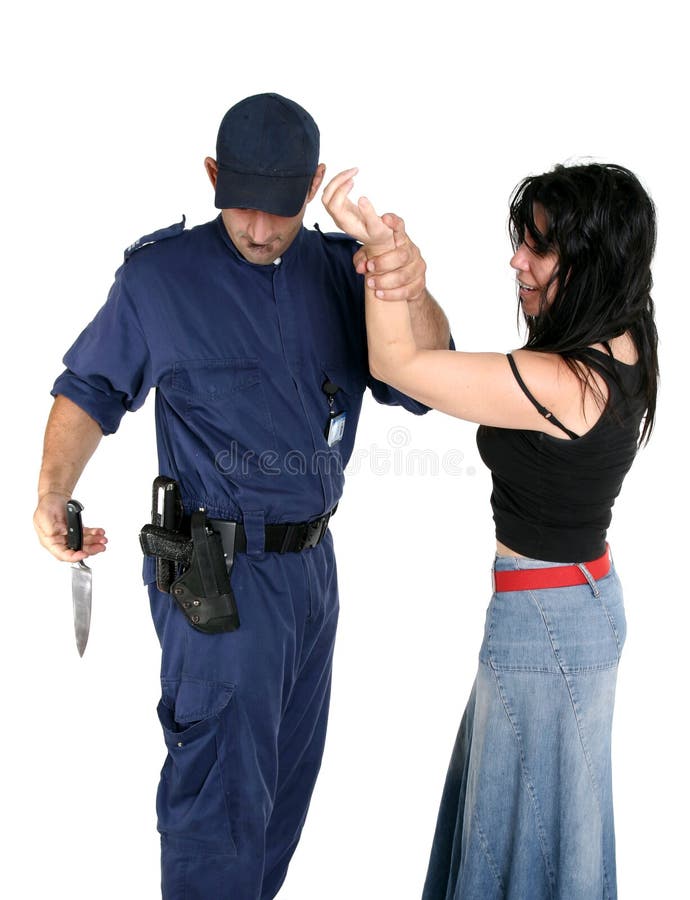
(359, 220)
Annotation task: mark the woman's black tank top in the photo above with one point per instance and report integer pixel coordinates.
(552, 497)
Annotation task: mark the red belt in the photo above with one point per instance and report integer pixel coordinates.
(553, 577)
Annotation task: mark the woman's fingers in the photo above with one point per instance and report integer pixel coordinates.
(342, 210)
(336, 183)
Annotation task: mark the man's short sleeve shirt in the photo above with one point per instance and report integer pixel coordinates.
(238, 354)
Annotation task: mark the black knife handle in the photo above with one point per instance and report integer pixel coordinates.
(75, 535)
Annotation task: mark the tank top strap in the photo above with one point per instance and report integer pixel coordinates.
(537, 405)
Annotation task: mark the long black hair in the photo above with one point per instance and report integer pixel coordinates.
(601, 224)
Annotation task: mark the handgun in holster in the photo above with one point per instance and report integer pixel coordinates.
(166, 512)
(202, 590)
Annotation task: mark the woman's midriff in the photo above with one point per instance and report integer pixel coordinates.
(502, 550)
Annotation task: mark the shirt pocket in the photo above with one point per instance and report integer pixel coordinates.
(223, 412)
(213, 379)
(348, 399)
(350, 381)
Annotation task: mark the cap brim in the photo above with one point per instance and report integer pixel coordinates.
(277, 195)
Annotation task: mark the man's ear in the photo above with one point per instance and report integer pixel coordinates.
(316, 181)
(211, 167)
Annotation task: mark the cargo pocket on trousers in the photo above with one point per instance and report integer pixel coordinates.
(192, 802)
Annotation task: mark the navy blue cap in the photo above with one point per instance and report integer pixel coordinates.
(267, 153)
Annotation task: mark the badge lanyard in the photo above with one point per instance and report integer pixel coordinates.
(335, 426)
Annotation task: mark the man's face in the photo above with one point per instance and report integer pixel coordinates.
(259, 236)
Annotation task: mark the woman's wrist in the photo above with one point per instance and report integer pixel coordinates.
(378, 248)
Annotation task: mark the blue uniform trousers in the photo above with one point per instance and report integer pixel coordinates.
(244, 719)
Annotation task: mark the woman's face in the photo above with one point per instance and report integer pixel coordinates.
(533, 271)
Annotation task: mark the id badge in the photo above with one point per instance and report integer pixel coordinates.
(336, 429)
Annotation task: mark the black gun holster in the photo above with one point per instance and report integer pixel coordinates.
(203, 590)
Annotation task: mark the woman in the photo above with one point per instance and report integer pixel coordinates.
(527, 809)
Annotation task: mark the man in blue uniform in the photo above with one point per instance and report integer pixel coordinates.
(251, 329)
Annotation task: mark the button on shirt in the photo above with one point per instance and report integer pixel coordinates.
(238, 354)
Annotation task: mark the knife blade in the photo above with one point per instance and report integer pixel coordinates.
(81, 577)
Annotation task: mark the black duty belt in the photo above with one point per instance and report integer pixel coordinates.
(194, 555)
(285, 538)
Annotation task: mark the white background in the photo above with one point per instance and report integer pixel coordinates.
(107, 115)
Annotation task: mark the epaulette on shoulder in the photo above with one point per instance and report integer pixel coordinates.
(160, 235)
(335, 235)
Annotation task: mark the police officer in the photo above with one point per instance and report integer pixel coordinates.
(251, 329)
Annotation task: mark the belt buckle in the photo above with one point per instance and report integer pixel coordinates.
(314, 532)
(302, 536)
(308, 534)
(286, 545)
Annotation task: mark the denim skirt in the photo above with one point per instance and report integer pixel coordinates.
(527, 811)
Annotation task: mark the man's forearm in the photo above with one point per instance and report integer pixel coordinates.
(70, 440)
(429, 323)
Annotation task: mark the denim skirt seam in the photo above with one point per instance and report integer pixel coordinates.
(528, 781)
